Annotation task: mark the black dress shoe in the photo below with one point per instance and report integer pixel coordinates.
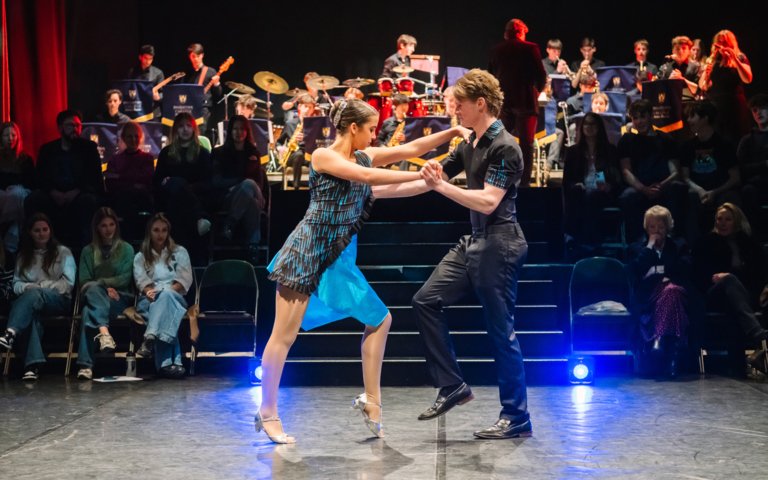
(504, 428)
(147, 347)
(442, 404)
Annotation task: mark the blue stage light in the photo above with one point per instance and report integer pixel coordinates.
(581, 370)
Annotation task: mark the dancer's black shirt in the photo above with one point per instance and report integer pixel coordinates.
(497, 161)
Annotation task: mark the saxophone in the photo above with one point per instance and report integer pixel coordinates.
(455, 141)
(293, 144)
(393, 141)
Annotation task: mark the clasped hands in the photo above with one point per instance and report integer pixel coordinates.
(432, 173)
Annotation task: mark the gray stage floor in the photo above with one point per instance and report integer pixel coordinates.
(202, 428)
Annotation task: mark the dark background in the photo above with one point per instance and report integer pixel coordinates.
(353, 39)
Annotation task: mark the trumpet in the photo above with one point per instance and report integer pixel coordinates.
(568, 73)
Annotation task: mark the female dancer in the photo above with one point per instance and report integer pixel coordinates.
(316, 266)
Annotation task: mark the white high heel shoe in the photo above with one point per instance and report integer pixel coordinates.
(282, 438)
(359, 404)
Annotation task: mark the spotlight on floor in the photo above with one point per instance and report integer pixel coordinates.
(581, 370)
(254, 370)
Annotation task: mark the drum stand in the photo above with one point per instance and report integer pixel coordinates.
(273, 165)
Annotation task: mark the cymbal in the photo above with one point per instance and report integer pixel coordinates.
(262, 113)
(295, 92)
(270, 82)
(323, 82)
(358, 82)
(403, 69)
(241, 88)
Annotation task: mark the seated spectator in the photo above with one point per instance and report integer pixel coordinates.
(17, 179)
(112, 114)
(730, 267)
(752, 156)
(659, 265)
(641, 62)
(649, 168)
(128, 179)
(43, 280)
(105, 277)
(6, 283)
(240, 181)
(69, 181)
(163, 275)
(590, 182)
(709, 168)
(182, 179)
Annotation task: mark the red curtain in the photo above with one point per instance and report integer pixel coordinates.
(5, 83)
(38, 68)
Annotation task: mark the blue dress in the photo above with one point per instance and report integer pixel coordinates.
(318, 258)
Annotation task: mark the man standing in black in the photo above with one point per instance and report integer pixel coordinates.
(488, 261)
(517, 65)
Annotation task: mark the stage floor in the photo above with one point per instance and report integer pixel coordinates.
(202, 428)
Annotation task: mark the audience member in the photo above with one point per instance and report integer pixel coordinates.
(649, 168)
(163, 274)
(17, 179)
(709, 168)
(69, 181)
(752, 155)
(105, 278)
(43, 280)
(660, 267)
(241, 183)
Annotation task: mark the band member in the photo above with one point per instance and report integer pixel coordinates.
(587, 49)
(641, 58)
(317, 260)
(289, 106)
(145, 70)
(489, 261)
(553, 64)
(201, 74)
(293, 136)
(406, 44)
(600, 102)
(246, 106)
(112, 101)
(353, 92)
(390, 125)
(681, 66)
(517, 65)
(450, 102)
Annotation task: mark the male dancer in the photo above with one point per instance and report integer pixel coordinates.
(488, 261)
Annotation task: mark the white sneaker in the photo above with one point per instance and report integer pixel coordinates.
(30, 375)
(106, 342)
(203, 226)
(85, 374)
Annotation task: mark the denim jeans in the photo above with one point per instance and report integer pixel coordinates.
(243, 207)
(28, 310)
(164, 316)
(98, 309)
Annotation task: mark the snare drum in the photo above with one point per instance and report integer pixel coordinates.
(405, 86)
(386, 85)
(416, 108)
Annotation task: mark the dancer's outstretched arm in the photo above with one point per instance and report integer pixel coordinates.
(432, 170)
(325, 160)
(386, 155)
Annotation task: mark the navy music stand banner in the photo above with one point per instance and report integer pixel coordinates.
(417, 127)
(153, 138)
(182, 97)
(621, 79)
(137, 99)
(561, 87)
(318, 132)
(666, 97)
(104, 135)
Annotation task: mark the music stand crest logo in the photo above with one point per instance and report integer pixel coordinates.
(427, 131)
(662, 97)
(95, 138)
(616, 81)
(326, 132)
(182, 98)
(132, 93)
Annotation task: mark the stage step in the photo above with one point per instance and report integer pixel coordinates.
(529, 292)
(429, 253)
(429, 232)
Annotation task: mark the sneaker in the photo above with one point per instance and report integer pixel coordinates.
(106, 342)
(30, 375)
(85, 374)
(146, 349)
(6, 341)
(203, 226)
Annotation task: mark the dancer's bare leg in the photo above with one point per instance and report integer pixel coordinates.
(289, 311)
(372, 352)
